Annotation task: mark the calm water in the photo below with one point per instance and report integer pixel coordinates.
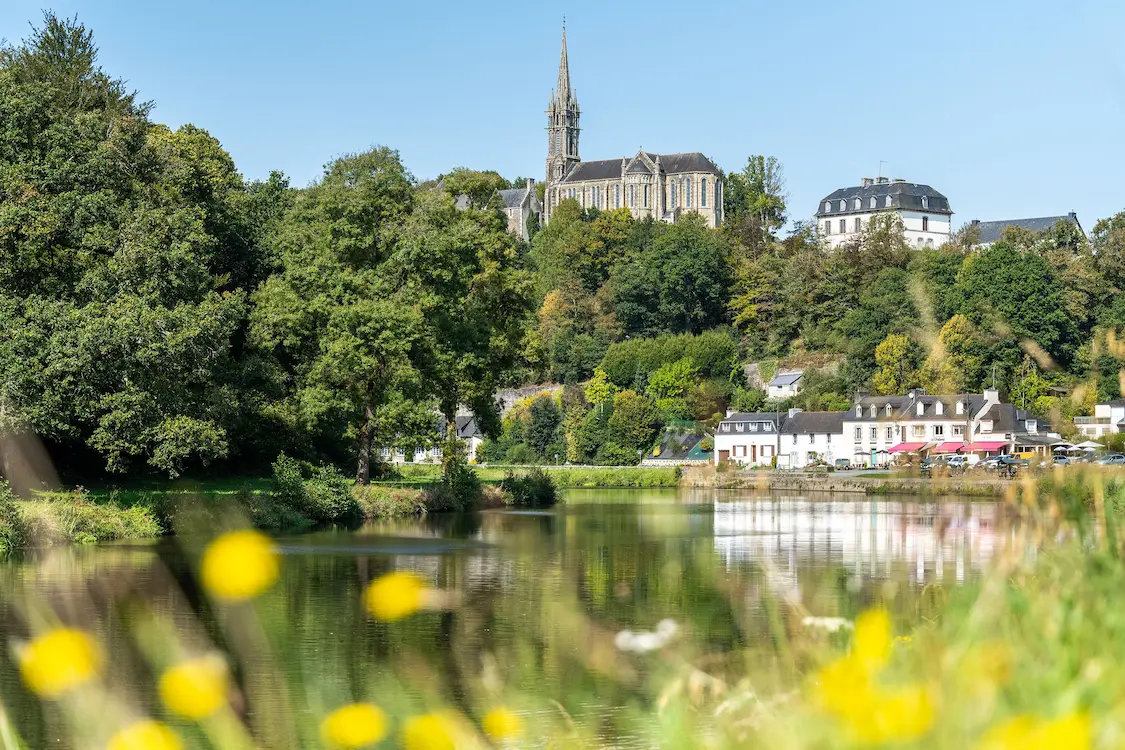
(535, 599)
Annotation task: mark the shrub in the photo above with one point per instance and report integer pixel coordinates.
(535, 489)
(707, 445)
(522, 453)
(615, 454)
(389, 502)
(324, 496)
(13, 532)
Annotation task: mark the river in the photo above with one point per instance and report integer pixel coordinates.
(534, 603)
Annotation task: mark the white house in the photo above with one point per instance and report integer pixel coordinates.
(808, 437)
(926, 216)
(784, 384)
(467, 430)
(1108, 418)
(748, 438)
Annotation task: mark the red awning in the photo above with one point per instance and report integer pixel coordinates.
(907, 447)
(950, 447)
(989, 446)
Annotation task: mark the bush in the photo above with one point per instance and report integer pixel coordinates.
(522, 453)
(615, 454)
(707, 444)
(389, 502)
(535, 489)
(325, 496)
(13, 533)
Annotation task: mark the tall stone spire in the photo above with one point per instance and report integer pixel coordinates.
(562, 92)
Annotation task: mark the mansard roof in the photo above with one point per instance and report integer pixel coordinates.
(814, 422)
(903, 194)
(608, 169)
(991, 231)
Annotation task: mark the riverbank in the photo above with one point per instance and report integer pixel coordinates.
(565, 477)
(774, 481)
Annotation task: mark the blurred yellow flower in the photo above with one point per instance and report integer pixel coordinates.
(427, 732)
(502, 724)
(394, 596)
(145, 735)
(59, 661)
(871, 645)
(195, 689)
(1068, 732)
(240, 565)
(355, 725)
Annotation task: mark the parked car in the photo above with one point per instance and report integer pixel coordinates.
(843, 464)
(1113, 459)
(958, 463)
(1059, 460)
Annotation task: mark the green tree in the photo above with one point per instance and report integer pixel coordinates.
(599, 390)
(634, 422)
(754, 201)
(896, 359)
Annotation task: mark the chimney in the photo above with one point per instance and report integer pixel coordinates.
(897, 180)
(1073, 216)
(882, 180)
(794, 412)
(860, 395)
(531, 184)
(866, 182)
(975, 222)
(991, 396)
(730, 412)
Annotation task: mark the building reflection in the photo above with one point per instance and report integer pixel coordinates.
(940, 542)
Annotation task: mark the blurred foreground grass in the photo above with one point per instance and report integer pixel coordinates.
(1025, 657)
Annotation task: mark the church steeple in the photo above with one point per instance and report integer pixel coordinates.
(562, 125)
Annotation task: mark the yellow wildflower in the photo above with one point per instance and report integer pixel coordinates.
(900, 715)
(240, 565)
(501, 724)
(355, 725)
(428, 732)
(145, 735)
(1068, 732)
(394, 596)
(196, 688)
(871, 645)
(59, 661)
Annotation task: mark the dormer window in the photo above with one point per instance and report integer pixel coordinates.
(1032, 426)
(843, 205)
(767, 427)
(858, 204)
(925, 201)
(959, 408)
(921, 408)
(887, 203)
(873, 412)
(827, 206)
(874, 201)
(858, 411)
(986, 425)
(887, 411)
(939, 408)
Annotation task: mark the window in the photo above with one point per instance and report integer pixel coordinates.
(726, 426)
(842, 227)
(718, 195)
(939, 431)
(827, 206)
(929, 242)
(960, 407)
(617, 196)
(888, 410)
(672, 196)
(921, 242)
(632, 196)
(767, 427)
(874, 200)
(753, 427)
(857, 204)
(986, 425)
(858, 434)
(874, 434)
(925, 201)
(858, 411)
(828, 438)
(703, 192)
(939, 408)
(843, 205)
(1032, 426)
(740, 427)
(921, 408)
(828, 227)
(918, 431)
(890, 433)
(887, 202)
(873, 412)
(687, 192)
(794, 438)
(812, 439)
(646, 196)
(925, 223)
(959, 430)
(858, 223)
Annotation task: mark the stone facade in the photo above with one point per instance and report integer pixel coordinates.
(519, 205)
(663, 186)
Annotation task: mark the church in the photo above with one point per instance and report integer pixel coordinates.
(663, 186)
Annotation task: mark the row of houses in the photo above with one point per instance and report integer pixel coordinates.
(876, 429)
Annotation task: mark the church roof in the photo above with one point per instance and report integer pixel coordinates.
(608, 169)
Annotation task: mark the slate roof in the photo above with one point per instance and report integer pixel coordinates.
(467, 427)
(879, 402)
(608, 169)
(513, 198)
(903, 195)
(992, 231)
(1009, 418)
(814, 423)
(757, 416)
(788, 378)
(975, 402)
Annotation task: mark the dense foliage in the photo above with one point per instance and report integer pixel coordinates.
(163, 314)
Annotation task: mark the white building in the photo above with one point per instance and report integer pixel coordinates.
(784, 384)
(926, 216)
(810, 437)
(748, 439)
(467, 431)
(1108, 418)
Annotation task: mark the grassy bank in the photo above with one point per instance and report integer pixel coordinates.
(420, 475)
(72, 518)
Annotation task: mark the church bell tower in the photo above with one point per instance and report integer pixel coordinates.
(562, 130)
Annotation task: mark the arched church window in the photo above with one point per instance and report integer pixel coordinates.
(672, 196)
(687, 192)
(703, 192)
(646, 196)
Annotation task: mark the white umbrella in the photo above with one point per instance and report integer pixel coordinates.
(1090, 445)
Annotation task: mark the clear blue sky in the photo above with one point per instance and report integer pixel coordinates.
(1011, 109)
